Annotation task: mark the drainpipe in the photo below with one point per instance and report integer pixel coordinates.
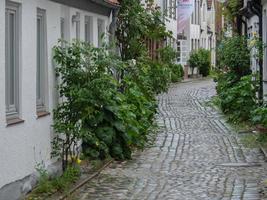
(246, 26)
(256, 9)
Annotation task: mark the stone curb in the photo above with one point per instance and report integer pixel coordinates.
(264, 151)
(82, 183)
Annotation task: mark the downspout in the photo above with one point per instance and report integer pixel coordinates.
(246, 26)
(256, 8)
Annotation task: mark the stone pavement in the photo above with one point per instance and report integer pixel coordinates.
(196, 156)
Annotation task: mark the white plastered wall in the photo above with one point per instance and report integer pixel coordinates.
(23, 146)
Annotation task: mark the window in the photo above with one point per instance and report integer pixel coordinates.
(174, 10)
(12, 59)
(204, 13)
(196, 12)
(77, 25)
(170, 8)
(178, 51)
(165, 7)
(62, 28)
(88, 29)
(41, 61)
(101, 31)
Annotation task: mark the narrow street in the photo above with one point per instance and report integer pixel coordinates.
(196, 156)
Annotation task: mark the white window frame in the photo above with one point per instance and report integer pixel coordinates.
(41, 62)
(12, 108)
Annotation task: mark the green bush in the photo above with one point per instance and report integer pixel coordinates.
(259, 116)
(177, 72)
(200, 59)
(109, 104)
(234, 56)
(204, 62)
(160, 76)
(237, 99)
(193, 61)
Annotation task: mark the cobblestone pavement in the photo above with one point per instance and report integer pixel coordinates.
(196, 156)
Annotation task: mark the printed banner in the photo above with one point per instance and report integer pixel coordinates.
(185, 9)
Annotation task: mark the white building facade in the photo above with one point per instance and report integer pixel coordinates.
(29, 30)
(199, 32)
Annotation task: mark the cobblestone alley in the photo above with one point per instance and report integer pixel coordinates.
(196, 156)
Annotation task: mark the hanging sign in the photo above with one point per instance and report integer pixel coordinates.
(185, 9)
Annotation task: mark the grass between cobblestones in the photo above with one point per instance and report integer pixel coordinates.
(57, 188)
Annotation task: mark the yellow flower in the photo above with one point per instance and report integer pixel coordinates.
(78, 161)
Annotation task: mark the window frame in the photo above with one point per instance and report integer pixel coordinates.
(12, 110)
(41, 65)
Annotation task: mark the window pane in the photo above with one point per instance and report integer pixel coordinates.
(88, 29)
(38, 86)
(62, 28)
(12, 59)
(41, 61)
(100, 24)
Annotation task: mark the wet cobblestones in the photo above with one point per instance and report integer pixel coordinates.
(187, 159)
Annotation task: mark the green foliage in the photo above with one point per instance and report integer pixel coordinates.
(259, 116)
(135, 25)
(44, 184)
(109, 102)
(110, 115)
(64, 182)
(167, 54)
(193, 61)
(237, 99)
(47, 186)
(232, 8)
(204, 62)
(200, 59)
(177, 72)
(160, 76)
(234, 56)
(166, 65)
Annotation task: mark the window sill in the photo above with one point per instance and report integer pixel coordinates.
(14, 121)
(41, 114)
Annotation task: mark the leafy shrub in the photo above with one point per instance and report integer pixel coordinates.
(234, 56)
(160, 76)
(204, 62)
(259, 116)
(167, 54)
(193, 61)
(225, 81)
(238, 99)
(200, 59)
(177, 72)
(110, 115)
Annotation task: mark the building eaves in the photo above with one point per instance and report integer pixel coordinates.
(107, 3)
